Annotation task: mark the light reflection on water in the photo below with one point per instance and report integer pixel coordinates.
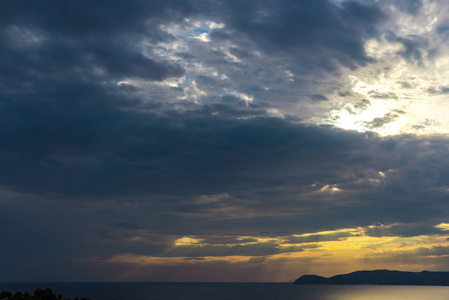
(233, 291)
(376, 292)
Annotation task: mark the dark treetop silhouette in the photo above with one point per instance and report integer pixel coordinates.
(39, 294)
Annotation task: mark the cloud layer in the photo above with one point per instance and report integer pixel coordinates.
(150, 139)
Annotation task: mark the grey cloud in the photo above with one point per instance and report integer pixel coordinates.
(358, 107)
(194, 258)
(413, 46)
(256, 260)
(314, 238)
(362, 105)
(442, 28)
(83, 147)
(409, 6)
(406, 230)
(377, 95)
(83, 41)
(344, 93)
(405, 85)
(438, 91)
(85, 18)
(292, 27)
(283, 49)
(258, 249)
(318, 98)
(412, 51)
(227, 240)
(435, 255)
(387, 118)
(432, 90)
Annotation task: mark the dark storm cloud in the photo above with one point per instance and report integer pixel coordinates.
(84, 147)
(174, 157)
(318, 34)
(57, 43)
(95, 18)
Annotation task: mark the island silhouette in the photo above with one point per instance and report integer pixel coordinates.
(380, 277)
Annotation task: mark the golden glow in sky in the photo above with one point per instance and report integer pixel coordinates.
(329, 252)
(405, 89)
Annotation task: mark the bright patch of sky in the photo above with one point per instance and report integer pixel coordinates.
(201, 34)
(403, 90)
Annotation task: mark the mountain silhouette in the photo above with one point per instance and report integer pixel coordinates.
(380, 277)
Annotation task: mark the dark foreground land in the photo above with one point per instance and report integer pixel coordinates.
(39, 294)
(380, 277)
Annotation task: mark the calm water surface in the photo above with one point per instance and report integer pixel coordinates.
(232, 291)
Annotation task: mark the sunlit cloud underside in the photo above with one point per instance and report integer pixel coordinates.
(280, 258)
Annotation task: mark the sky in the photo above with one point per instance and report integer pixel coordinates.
(211, 140)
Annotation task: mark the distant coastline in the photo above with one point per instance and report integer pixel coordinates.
(380, 277)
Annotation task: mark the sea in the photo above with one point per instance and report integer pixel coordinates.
(232, 291)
